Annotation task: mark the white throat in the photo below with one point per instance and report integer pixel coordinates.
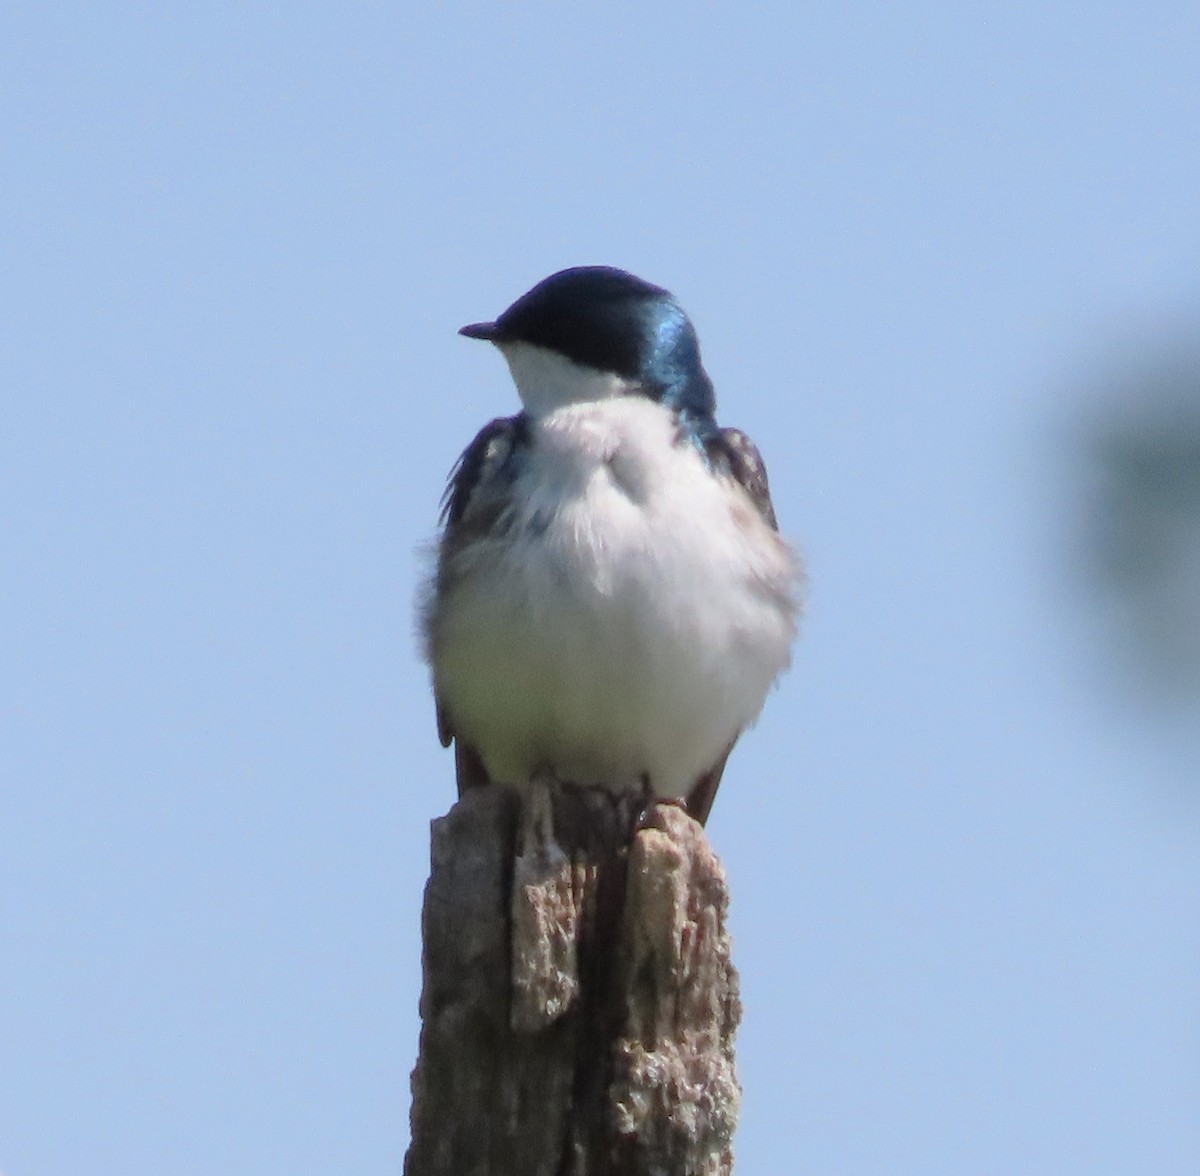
(546, 380)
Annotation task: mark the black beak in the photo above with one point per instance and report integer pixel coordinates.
(486, 331)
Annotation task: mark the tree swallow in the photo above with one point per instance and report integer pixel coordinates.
(612, 599)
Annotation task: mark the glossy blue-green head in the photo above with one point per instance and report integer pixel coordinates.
(607, 321)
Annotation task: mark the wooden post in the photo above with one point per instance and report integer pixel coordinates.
(579, 1002)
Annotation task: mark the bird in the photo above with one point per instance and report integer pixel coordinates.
(611, 600)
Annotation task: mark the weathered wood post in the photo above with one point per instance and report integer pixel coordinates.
(579, 1002)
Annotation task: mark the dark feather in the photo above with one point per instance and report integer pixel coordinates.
(488, 457)
(732, 452)
(468, 768)
(445, 731)
(700, 799)
(488, 453)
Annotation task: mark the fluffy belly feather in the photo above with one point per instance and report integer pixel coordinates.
(626, 618)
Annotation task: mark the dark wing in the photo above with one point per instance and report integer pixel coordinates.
(733, 452)
(486, 455)
(700, 798)
(465, 513)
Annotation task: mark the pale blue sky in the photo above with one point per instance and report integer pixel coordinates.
(238, 241)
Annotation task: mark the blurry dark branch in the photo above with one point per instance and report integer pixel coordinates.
(579, 1002)
(1143, 520)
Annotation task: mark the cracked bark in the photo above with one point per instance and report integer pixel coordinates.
(579, 1002)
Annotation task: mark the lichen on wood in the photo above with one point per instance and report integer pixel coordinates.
(579, 1002)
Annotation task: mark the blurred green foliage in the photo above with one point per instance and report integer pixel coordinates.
(1143, 525)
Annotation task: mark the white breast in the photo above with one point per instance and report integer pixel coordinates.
(629, 622)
